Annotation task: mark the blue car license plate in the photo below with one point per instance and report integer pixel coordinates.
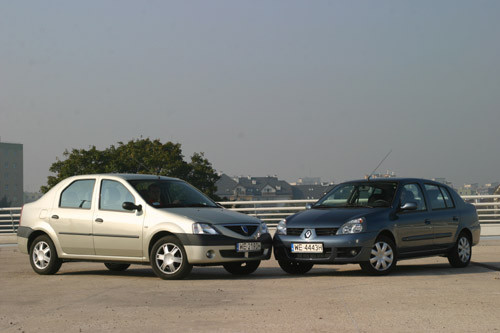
(307, 247)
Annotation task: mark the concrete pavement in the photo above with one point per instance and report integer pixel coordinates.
(421, 295)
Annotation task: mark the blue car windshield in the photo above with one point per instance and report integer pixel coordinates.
(171, 194)
(361, 194)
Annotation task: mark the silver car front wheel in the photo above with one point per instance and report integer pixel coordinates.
(168, 259)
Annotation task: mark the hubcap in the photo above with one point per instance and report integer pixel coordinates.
(464, 249)
(41, 255)
(382, 256)
(168, 258)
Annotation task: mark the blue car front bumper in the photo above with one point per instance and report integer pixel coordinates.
(337, 249)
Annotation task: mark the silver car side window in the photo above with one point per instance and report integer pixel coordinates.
(78, 194)
(113, 194)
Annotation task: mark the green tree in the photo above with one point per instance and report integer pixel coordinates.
(143, 156)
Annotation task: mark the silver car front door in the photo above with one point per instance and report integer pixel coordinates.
(117, 232)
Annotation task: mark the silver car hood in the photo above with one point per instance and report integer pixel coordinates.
(213, 215)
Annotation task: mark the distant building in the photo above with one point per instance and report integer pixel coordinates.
(487, 189)
(309, 181)
(472, 186)
(493, 185)
(310, 191)
(253, 188)
(443, 181)
(466, 191)
(11, 174)
(387, 174)
(32, 196)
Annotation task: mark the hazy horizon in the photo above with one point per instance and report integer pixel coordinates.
(292, 88)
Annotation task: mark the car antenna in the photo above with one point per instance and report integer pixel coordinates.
(371, 174)
(142, 165)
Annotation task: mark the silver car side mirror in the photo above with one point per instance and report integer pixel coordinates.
(131, 206)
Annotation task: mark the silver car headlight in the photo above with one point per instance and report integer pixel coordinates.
(204, 229)
(281, 228)
(352, 227)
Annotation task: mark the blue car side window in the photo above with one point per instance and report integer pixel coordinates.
(435, 196)
(413, 193)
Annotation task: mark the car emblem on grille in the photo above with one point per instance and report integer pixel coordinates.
(245, 229)
(308, 233)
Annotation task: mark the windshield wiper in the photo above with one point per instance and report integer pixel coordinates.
(189, 205)
(322, 206)
(355, 205)
(200, 205)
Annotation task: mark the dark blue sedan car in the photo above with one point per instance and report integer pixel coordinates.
(376, 223)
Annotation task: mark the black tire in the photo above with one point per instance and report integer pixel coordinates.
(242, 268)
(383, 257)
(296, 268)
(461, 252)
(169, 260)
(116, 267)
(43, 256)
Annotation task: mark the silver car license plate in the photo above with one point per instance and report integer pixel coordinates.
(248, 247)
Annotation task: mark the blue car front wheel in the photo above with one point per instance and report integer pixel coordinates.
(382, 257)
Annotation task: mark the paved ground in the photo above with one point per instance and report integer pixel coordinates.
(421, 295)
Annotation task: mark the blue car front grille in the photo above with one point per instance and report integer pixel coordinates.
(319, 231)
(326, 231)
(294, 231)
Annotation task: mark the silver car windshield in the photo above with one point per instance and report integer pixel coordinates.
(171, 193)
(362, 194)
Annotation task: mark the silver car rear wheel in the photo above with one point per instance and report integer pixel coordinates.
(43, 256)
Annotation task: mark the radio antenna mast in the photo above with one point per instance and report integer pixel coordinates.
(371, 174)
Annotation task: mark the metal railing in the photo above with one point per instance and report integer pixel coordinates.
(9, 220)
(272, 211)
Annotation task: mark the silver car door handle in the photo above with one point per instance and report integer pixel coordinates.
(55, 217)
(99, 220)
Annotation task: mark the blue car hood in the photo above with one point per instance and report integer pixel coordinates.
(333, 217)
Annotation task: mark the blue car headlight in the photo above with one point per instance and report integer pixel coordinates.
(352, 227)
(281, 228)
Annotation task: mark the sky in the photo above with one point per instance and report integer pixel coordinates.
(288, 88)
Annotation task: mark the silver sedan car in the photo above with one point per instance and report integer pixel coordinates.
(138, 219)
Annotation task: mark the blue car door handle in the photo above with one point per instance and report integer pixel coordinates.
(455, 218)
(427, 221)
